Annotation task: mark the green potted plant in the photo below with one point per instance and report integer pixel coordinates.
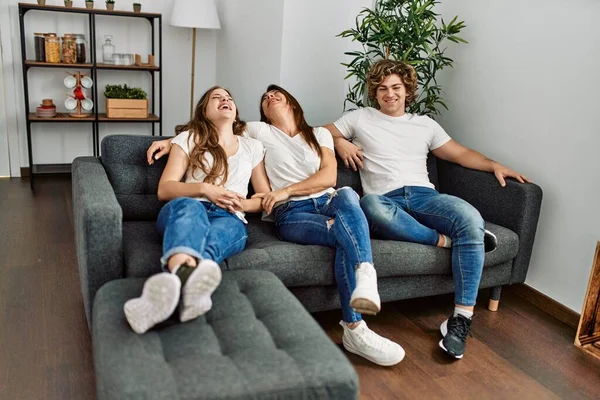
(41, 2)
(407, 30)
(125, 102)
(89, 3)
(68, 3)
(110, 5)
(137, 7)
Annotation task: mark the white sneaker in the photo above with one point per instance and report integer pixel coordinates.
(196, 292)
(365, 297)
(366, 343)
(158, 301)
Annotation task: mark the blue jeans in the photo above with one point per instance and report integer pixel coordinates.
(308, 222)
(417, 214)
(200, 229)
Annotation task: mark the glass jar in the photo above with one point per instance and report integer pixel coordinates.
(40, 47)
(52, 48)
(69, 49)
(81, 45)
(108, 49)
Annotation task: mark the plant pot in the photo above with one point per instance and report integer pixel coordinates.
(137, 8)
(68, 3)
(41, 2)
(126, 108)
(110, 6)
(89, 4)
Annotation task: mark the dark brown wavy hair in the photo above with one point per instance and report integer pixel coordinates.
(305, 129)
(384, 68)
(206, 139)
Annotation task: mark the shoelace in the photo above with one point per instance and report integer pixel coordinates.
(459, 326)
(372, 339)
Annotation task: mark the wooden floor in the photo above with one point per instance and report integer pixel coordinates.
(45, 349)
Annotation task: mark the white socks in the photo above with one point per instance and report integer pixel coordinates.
(465, 313)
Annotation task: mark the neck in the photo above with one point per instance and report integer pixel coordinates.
(286, 123)
(225, 131)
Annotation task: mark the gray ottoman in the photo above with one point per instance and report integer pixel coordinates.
(257, 342)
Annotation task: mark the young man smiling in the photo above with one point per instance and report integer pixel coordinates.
(390, 147)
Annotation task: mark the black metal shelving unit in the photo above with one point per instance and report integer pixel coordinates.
(95, 118)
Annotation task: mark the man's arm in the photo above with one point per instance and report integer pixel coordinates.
(348, 152)
(455, 152)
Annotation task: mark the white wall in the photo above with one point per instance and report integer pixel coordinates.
(312, 54)
(524, 92)
(249, 50)
(60, 143)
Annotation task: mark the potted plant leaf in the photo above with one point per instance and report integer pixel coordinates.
(137, 7)
(110, 5)
(123, 101)
(68, 3)
(407, 30)
(89, 3)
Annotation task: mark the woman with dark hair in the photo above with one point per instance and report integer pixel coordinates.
(302, 170)
(203, 222)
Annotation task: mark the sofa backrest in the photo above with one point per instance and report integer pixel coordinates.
(136, 183)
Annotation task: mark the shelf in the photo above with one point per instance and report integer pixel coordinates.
(82, 10)
(151, 118)
(30, 64)
(61, 117)
(126, 67)
(41, 169)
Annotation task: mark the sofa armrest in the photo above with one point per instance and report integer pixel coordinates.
(515, 206)
(97, 219)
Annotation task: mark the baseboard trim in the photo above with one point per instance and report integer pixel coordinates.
(545, 303)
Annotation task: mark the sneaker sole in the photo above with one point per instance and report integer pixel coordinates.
(373, 360)
(364, 306)
(198, 288)
(449, 353)
(156, 304)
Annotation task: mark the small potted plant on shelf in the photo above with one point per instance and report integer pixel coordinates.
(41, 2)
(137, 7)
(68, 3)
(123, 101)
(89, 3)
(110, 5)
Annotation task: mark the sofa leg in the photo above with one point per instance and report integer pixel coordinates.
(494, 298)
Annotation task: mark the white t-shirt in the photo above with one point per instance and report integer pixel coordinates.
(290, 160)
(394, 148)
(240, 165)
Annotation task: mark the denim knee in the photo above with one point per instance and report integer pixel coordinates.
(373, 208)
(470, 225)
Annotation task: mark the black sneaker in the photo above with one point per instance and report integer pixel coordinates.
(455, 331)
(490, 241)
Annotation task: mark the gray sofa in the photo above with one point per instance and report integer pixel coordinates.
(115, 207)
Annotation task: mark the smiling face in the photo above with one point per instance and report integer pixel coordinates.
(220, 106)
(271, 101)
(391, 96)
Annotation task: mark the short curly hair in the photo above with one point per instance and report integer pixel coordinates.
(384, 68)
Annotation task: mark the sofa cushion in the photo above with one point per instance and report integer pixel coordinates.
(134, 181)
(256, 342)
(299, 265)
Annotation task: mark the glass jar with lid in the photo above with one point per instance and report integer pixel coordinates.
(81, 45)
(69, 49)
(108, 49)
(40, 47)
(52, 48)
